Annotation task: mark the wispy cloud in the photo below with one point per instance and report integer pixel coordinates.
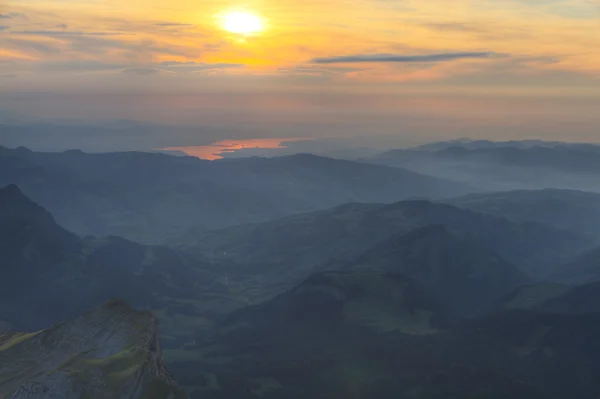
(35, 46)
(197, 66)
(141, 71)
(439, 57)
(453, 27)
(13, 15)
(173, 24)
(51, 33)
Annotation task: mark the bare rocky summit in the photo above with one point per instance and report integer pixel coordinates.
(111, 352)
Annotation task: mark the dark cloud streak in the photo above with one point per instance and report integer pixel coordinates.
(439, 57)
(454, 27)
(141, 71)
(13, 15)
(61, 33)
(198, 66)
(174, 24)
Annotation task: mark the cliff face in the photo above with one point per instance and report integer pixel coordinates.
(111, 352)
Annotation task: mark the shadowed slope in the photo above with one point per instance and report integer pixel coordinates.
(465, 275)
(49, 274)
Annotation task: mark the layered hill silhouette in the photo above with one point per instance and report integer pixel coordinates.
(109, 352)
(50, 275)
(583, 269)
(369, 334)
(504, 166)
(555, 298)
(577, 211)
(466, 276)
(303, 242)
(155, 198)
(325, 313)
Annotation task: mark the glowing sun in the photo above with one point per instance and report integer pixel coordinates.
(242, 22)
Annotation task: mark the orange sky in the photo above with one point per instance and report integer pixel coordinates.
(46, 43)
(363, 52)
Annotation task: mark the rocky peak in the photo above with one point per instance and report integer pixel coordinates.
(111, 352)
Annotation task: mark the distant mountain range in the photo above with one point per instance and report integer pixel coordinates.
(156, 198)
(577, 211)
(487, 144)
(503, 166)
(293, 246)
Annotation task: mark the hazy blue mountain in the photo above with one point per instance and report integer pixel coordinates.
(584, 269)
(533, 296)
(465, 275)
(378, 335)
(109, 352)
(156, 198)
(498, 167)
(556, 298)
(583, 299)
(33, 247)
(49, 275)
(578, 211)
(295, 245)
(488, 144)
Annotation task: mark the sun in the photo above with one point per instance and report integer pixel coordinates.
(242, 22)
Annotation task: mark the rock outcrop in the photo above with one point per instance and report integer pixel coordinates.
(111, 352)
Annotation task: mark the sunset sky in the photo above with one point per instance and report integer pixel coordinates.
(327, 64)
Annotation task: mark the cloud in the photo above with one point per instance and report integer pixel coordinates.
(316, 71)
(81, 65)
(197, 66)
(13, 15)
(38, 47)
(453, 27)
(173, 24)
(439, 57)
(128, 68)
(141, 71)
(67, 33)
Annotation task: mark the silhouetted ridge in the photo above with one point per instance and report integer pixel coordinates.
(49, 274)
(14, 202)
(22, 218)
(11, 189)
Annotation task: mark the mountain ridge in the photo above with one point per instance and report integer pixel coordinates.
(136, 195)
(462, 273)
(49, 274)
(346, 231)
(111, 351)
